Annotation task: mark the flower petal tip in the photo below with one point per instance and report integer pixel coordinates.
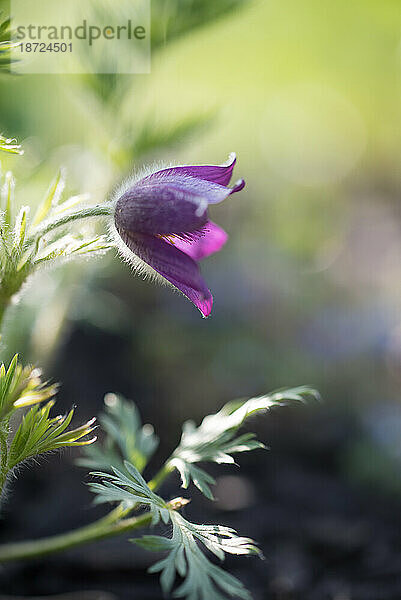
(205, 308)
(238, 186)
(231, 160)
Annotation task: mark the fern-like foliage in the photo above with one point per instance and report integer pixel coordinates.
(203, 580)
(39, 433)
(129, 489)
(126, 439)
(216, 439)
(22, 388)
(28, 241)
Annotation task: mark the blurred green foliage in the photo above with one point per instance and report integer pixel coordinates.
(307, 288)
(6, 43)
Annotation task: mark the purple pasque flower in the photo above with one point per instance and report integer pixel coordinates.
(163, 221)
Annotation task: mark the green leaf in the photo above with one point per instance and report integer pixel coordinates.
(39, 433)
(7, 197)
(154, 543)
(129, 489)
(25, 244)
(126, 438)
(51, 199)
(6, 45)
(216, 440)
(71, 202)
(20, 387)
(203, 580)
(189, 472)
(4, 27)
(20, 228)
(72, 245)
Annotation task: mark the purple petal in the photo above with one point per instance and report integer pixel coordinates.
(238, 186)
(215, 198)
(210, 239)
(168, 204)
(216, 173)
(172, 264)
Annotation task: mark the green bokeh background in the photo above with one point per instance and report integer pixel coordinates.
(308, 288)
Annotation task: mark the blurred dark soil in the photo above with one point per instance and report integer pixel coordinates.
(323, 536)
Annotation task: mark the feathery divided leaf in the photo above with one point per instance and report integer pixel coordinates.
(69, 246)
(39, 433)
(129, 489)
(203, 580)
(21, 386)
(216, 440)
(28, 242)
(126, 438)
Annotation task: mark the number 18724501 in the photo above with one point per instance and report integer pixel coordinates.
(45, 47)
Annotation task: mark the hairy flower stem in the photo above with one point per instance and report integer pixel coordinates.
(95, 531)
(108, 526)
(3, 455)
(99, 210)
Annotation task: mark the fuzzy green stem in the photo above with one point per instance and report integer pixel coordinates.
(108, 526)
(7, 291)
(58, 543)
(99, 210)
(158, 479)
(3, 455)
